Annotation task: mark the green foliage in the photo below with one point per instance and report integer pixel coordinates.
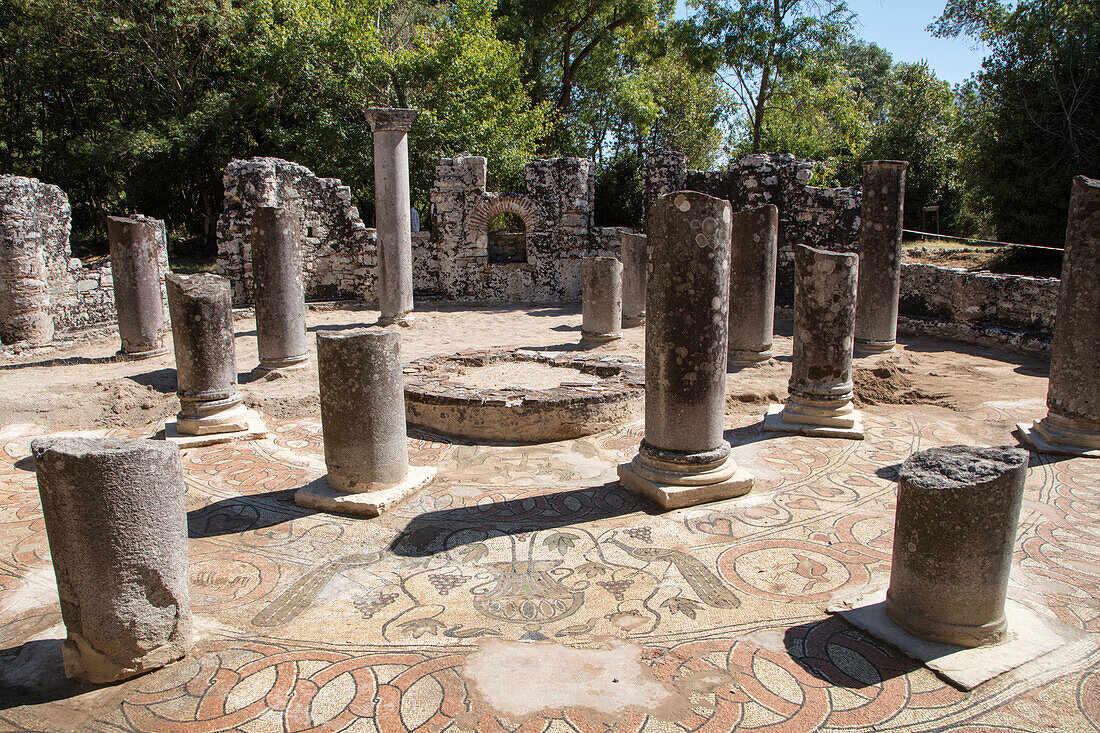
(1032, 115)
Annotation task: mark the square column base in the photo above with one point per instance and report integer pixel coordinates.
(322, 497)
(1030, 435)
(255, 431)
(670, 496)
(774, 423)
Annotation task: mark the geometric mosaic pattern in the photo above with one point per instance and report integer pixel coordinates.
(313, 622)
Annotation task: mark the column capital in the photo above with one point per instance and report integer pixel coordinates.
(382, 118)
(903, 164)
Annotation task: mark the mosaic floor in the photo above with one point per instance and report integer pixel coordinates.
(310, 622)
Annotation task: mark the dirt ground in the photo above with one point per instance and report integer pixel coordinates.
(84, 387)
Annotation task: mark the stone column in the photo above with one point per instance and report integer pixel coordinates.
(278, 290)
(136, 276)
(601, 299)
(24, 287)
(820, 388)
(117, 528)
(752, 284)
(954, 530)
(206, 357)
(392, 213)
(684, 458)
(363, 424)
(634, 274)
(1072, 424)
(881, 222)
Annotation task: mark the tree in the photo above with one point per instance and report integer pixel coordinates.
(1033, 112)
(761, 43)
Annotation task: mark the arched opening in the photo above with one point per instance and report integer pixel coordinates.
(507, 238)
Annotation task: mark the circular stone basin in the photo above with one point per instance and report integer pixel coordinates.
(522, 396)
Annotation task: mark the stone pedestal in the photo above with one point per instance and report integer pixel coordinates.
(136, 276)
(684, 458)
(278, 290)
(602, 299)
(820, 388)
(955, 525)
(363, 424)
(117, 528)
(206, 359)
(752, 284)
(881, 222)
(634, 276)
(393, 213)
(1072, 424)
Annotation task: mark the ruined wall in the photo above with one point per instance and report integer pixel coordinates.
(45, 291)
(556, 208)
(339, 253)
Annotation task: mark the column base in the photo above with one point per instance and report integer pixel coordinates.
(254, 429)
(84, 663)
(141, 355)
(600, 338)
(404, 321)
(663, 488)
(867, 348)
(321, 496)
(633, 321)
(290, 362)
(779, 420)
(944, 632)
(747, 357)
(1047, 436)
(212, 416)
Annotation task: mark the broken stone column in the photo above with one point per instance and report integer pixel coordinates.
(601, 299)
(634, 274)
(954, 530)
(278, 290)
(206, 357)
(135, 272)
(820, 388)
(752, 284)
(881, 222)
(393, 213)
(363, 425)
(1072, 424)
(684, 458)
(117, 527)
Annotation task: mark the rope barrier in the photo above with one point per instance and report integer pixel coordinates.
(982, 241)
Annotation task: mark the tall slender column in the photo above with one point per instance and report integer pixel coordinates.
(752, 284)
(881, 222)
(820, 388)
(955, 526)
(116, 521)
(601, 299)
(634, 275)
(392, 213)
(136, 276)
(206, 358)
(684, 458)
(278, 290)
(363, 425)
(1072, 424)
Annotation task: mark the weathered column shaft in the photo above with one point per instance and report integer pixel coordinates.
(958, 508)
(278, 290)
(634, 275)
(24, 288)
(755, 234)
(136, 276)
(881, 224)
(117, 527)
(392, 212)
(602, 298)
(684, 458)
(206, 356)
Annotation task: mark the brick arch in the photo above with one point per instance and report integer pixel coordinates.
(497, 204)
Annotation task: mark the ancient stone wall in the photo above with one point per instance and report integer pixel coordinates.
(38, 272)
(339, 253)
